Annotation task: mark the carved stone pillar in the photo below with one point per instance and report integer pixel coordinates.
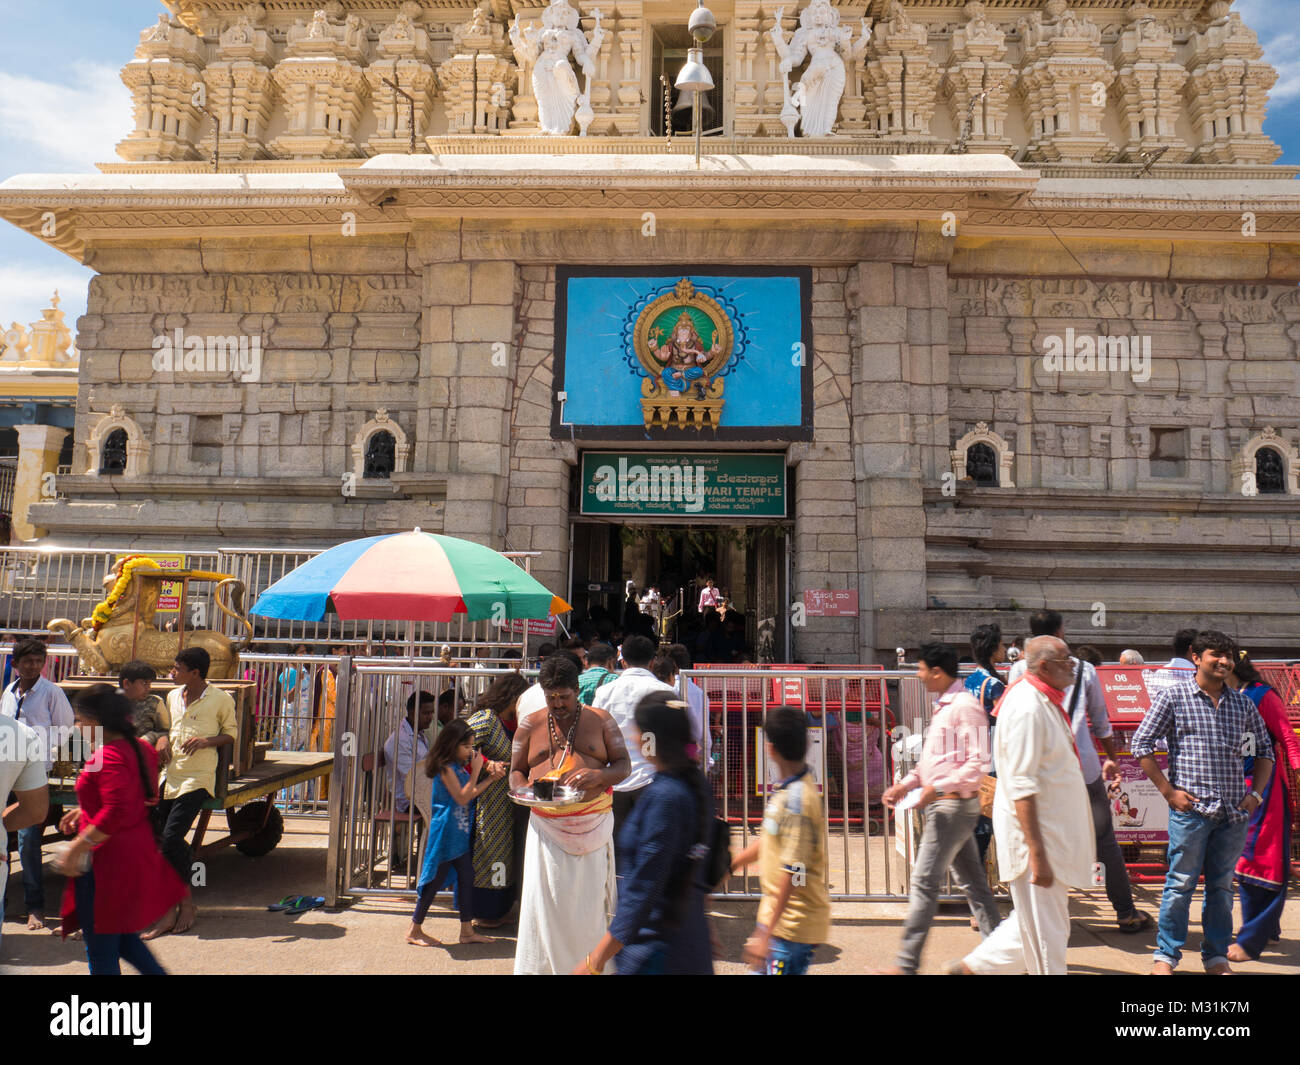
(322, 80)
(901, 77)
(629, 117)
(1149, 85)
(1227, 91)
(978, 81)
(240, 92)
(404, 56)
(168, 63)
(1064, 82)
(745, 117)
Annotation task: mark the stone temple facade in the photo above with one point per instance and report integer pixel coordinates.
(1012, 189)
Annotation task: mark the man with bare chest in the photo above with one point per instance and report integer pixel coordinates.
(568, 887)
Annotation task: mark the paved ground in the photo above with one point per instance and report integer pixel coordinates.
(236, 934)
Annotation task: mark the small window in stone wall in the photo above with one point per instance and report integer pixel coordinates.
(982, 465)
(1270, 475)
(112, 459)
(1168, 452)
(381, 456)
(205, 445)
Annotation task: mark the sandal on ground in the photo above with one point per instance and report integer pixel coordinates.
(1137, 924)
(305, 903)
(285, 903)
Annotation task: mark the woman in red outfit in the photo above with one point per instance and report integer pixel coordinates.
(1265, 864)
(128, 884)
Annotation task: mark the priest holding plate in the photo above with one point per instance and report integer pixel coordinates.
(564, 764)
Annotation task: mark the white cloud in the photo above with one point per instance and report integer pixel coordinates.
(51, 125)
(25, 290)
(1274, 24)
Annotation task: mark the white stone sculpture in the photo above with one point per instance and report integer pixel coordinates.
(815, 101)
(555, 85)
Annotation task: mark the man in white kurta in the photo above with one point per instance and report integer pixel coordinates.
(1042, 821)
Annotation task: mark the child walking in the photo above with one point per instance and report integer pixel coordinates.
(795, 914)
(447, 844)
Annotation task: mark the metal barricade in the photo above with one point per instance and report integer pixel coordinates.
(39, 584)
(854, 735)
(375, 841)
(376, 820)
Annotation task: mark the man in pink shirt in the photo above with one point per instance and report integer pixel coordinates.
(954, 760)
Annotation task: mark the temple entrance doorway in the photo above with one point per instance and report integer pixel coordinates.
(626, 577)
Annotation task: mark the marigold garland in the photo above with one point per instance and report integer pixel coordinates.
(103, 611)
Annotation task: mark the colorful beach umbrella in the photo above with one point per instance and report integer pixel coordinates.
(410, 576)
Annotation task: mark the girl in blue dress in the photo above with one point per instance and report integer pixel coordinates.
(451, 823)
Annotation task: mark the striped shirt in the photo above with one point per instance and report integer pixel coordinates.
(1206, 744)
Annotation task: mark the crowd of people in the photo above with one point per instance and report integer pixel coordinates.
(615, 878)
(152, 766)
(708, 625)
(611, 872)
(1032, 738)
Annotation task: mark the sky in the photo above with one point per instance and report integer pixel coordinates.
(63, 108)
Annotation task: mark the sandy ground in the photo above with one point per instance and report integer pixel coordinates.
(235, 933)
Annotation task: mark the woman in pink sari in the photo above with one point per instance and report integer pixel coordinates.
(1264, 866)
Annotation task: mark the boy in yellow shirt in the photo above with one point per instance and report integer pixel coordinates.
(795, 914)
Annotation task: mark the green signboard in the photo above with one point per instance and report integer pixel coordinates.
(673, 484)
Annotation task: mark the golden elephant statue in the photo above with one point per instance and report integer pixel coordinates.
(130, 633)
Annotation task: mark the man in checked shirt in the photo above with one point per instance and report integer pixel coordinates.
(1209, 729)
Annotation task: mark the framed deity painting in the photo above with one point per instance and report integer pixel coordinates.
(699, 354)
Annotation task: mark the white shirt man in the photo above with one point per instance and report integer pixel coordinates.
(42, 706)
(1170, 673)
(403, 748)
(699, 703)
(1042, 822)
(620, 697)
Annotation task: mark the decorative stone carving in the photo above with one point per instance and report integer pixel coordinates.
(1064, 82)
(49, 341)
(745, 118)
(902, 77)
(814, 102)
(978, 81)
(546, 50)
(1149, 86)
(322, 80)
(982, 434)
(1227, 91)
(626, 119)
(380, 423)
(240, 91)
(168, 62)
(478, 80)
(404, 56)
(1245, 465)
(137, 446)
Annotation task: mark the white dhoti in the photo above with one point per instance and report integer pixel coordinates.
(1033, 937)
(569, 891)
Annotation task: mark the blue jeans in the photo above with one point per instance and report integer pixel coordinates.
(786, 958)
(1199, 844)
(29, 850)
(105, 953)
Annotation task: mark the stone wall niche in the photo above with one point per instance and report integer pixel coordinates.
(1003, 456)
(380, 423)
(137, 445)
(1250, 468)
